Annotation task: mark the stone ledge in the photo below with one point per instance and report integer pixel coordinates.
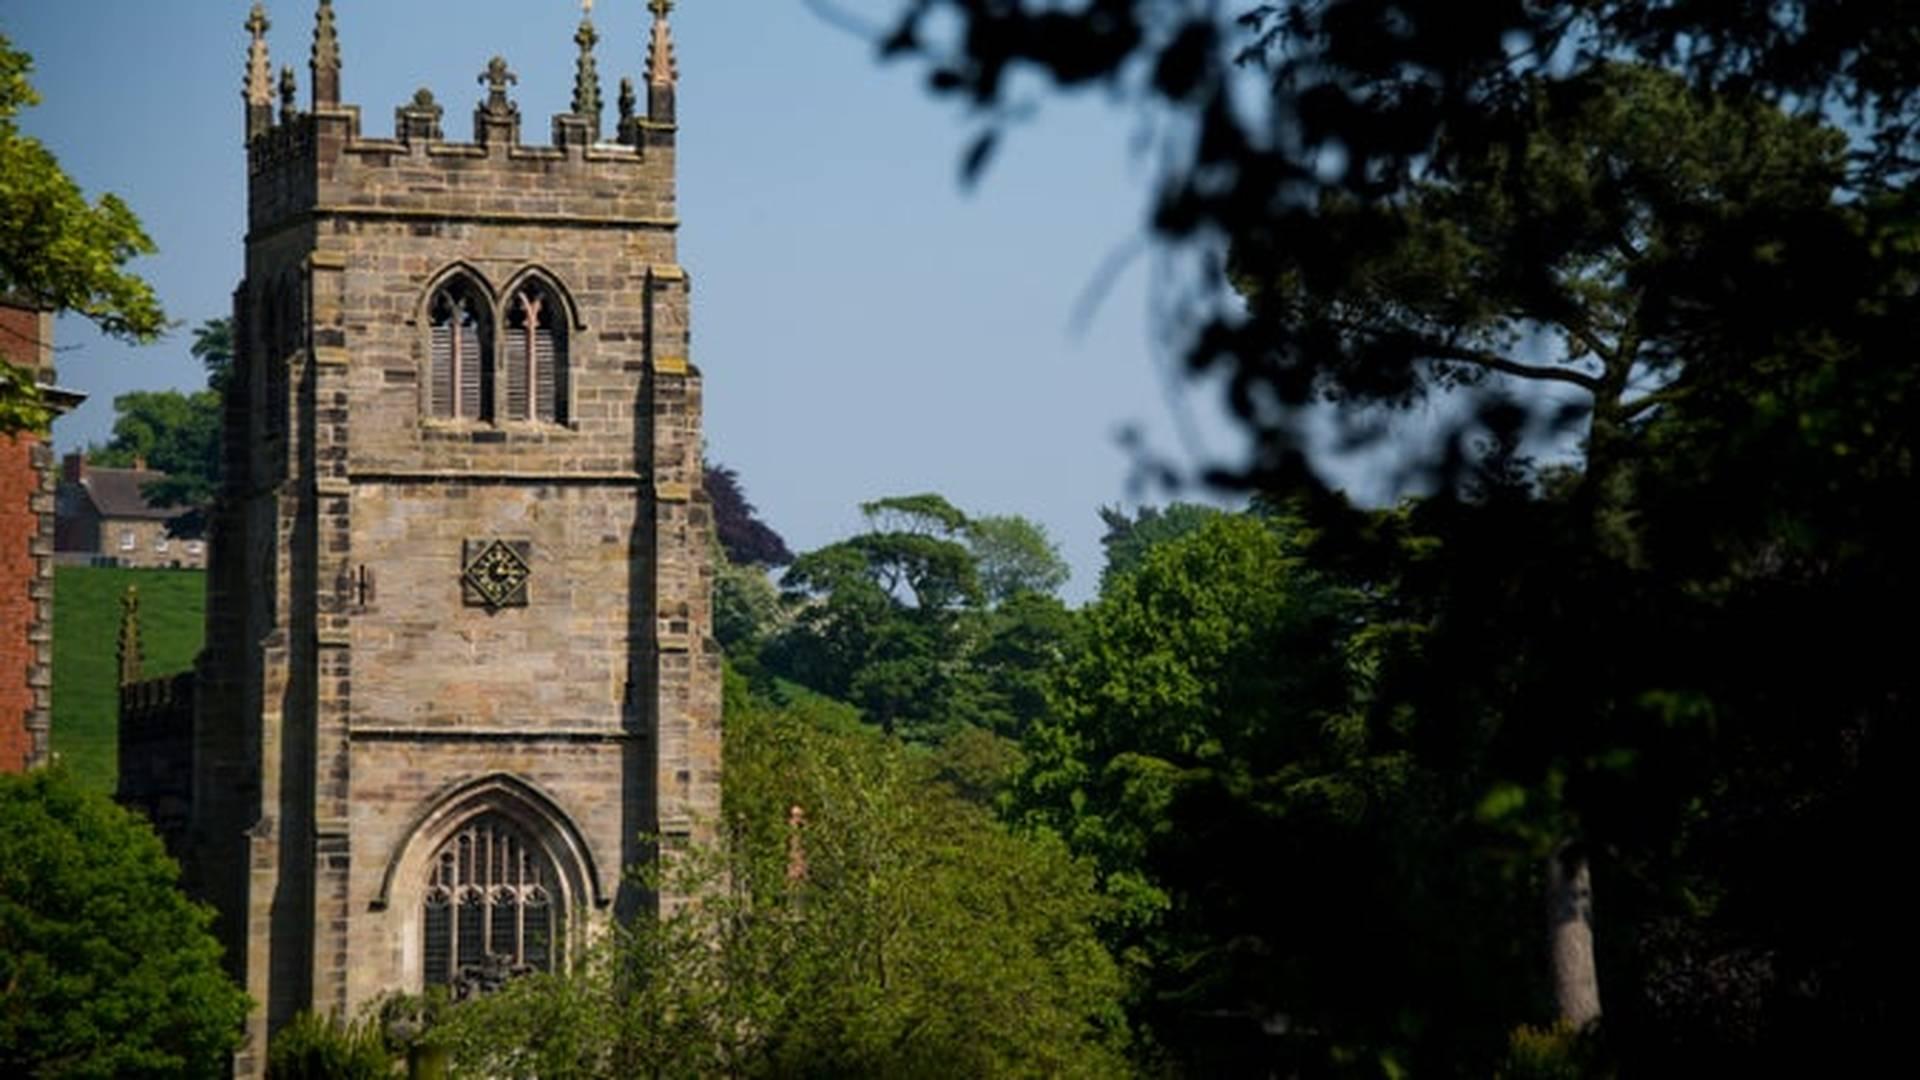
(467, 734)
(431, 476)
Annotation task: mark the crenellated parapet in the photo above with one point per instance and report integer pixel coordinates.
(303, 163)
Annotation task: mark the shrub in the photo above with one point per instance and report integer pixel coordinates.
(105, 968)
(315, 1047)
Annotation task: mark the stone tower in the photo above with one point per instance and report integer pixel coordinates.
(459, 664)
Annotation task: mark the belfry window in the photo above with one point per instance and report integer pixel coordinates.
(490, 907)
(462, 376)
(536, 356)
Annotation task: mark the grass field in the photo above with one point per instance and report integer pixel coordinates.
(86, 628)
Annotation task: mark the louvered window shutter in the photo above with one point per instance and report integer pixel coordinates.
(470, 363)
(517, 363)
(442, 387)
(547, 376)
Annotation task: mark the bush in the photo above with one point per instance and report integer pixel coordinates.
(1560, 1052)
(324, 1048)
(105, 968)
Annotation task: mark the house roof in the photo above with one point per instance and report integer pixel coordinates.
(116, 494)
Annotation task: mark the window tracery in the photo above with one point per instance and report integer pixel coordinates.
(536, 356)
(525, 347)
(490, 908)
(461, 379)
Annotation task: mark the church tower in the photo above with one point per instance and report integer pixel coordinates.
(459, 672)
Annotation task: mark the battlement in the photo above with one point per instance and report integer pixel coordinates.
(301, 163)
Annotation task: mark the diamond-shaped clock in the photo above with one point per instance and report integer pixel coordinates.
(496, 573)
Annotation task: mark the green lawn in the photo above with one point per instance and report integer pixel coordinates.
(86, 628)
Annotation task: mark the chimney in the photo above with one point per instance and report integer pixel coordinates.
(140, 462)
(73, 468)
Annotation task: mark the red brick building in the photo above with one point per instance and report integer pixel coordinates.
(27, 482)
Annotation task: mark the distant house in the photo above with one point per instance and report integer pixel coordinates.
(105, 520)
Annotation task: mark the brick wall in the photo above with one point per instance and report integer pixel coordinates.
(19, 525)
(26, 558)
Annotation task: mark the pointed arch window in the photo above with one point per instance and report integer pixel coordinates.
(461, 382)
(536, 356)
(490, 906)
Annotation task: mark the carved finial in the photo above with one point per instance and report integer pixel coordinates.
(497, 78)
(259, 80)
(326, 57)
(258, 84)
(129, 646)
(586, 75)
(627, 101)
(287, 90)
(419, 120)
(661, 68)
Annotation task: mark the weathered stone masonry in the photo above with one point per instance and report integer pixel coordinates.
(356, 706)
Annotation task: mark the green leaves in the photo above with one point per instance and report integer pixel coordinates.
(1014, 555)
(174, 433)
(861, 919)
(56, 249)
(106, 970)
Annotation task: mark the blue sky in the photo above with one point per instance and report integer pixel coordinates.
(865, 325)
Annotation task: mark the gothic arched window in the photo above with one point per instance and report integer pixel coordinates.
(491, 906)
(461, 380)
(536, 355)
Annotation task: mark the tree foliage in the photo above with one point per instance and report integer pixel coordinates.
(213, 347)
(1129, 537)
(878, 616)
(1294, 877)
(106, 970)
(1693, 223)
(175, 433)
(898, 622)
(1014, 555)
(57, 250)
(862, 920)
(747, 540)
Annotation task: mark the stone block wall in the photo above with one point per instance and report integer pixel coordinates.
(355, 699)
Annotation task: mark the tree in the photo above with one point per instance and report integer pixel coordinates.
(746, 607)
(747, 540)
(105, 968)
(1366, 100)
(58, 250)
(1634, 203)
(213, 347)
(1129, 538)
(862, 920)
(175, 433)
(1015, 555)
(880, 617)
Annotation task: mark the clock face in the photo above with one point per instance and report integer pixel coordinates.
(496, 576)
